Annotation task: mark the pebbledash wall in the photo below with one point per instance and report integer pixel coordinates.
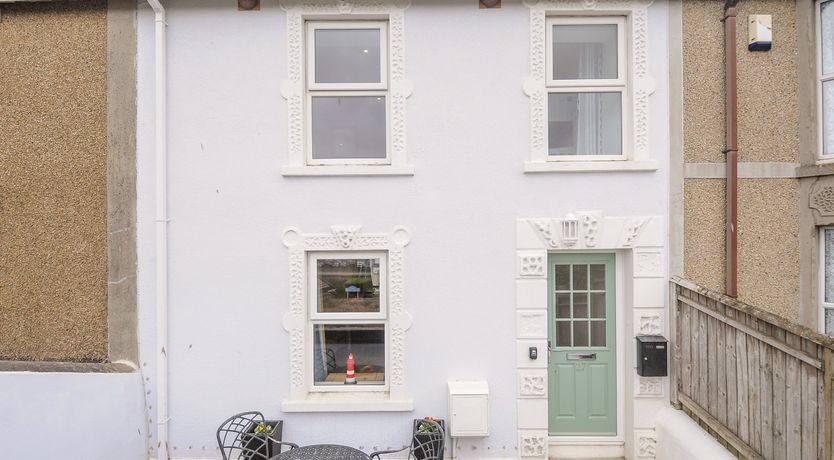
(469, 226)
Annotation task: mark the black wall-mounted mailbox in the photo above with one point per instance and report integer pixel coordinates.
(651, 356)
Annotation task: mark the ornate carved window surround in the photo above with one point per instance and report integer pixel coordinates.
(345, 239)
(294, 90)
(641, 84)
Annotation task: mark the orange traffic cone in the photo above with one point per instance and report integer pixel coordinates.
(350, 378)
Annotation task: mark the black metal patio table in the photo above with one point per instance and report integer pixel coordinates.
(323, 452)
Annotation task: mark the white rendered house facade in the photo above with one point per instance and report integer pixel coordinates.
(432, 187)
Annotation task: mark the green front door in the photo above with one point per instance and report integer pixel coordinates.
(582, 366)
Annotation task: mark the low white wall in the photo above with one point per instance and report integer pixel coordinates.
(680, 438)
(72, 416)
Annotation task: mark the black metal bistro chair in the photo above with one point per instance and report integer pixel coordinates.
(426, 445)
(239, 438)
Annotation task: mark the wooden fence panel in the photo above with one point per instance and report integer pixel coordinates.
(762, 385)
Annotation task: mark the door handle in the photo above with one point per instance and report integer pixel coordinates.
(582, 356)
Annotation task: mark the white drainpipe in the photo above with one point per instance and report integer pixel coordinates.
(161, 147)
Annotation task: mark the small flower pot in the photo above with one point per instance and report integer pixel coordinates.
(262, 443)
(419, 437)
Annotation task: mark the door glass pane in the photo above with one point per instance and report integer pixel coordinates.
(346, 127)
(580, 305)
(348, 56)
(563, 277)
(598, 277)
(828, 117)
(348, 285)
(333, 343)
(584, 123)
(580, 333)
(829, 265)
(597, 305)
(597, 333)
(584, 51)
(580, 277)
(827, 36)
(563, 306)
(563, 333)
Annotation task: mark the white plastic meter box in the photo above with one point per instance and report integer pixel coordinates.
(468, 409)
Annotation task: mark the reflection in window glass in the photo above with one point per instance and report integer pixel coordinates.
(332, 343)
(562, 277)
(580, 333)
(829, 265)
(348, 285)
(585, 123)
(828, 117)
(827, 36)
(348, 127)
(586, 51)
(597, 333)
(563, 333)
(597, 305)
(347, 56)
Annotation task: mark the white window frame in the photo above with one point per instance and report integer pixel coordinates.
(346, 89)
(346, 318)
(821, 279)
(312, 277)
(301, 17)
(633, 80)
(821, 78)
(313, 26)
(349, 243)
(615, 85)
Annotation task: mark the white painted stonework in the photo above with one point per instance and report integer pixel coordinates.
(638, 243)
(468, 279)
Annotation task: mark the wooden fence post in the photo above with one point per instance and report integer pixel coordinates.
(828, 400)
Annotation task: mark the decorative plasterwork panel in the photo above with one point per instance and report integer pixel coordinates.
(641, 83)
(822, 198)
(648, 321)
(532, 264)
(532, 445)
(293, 88)
(532, 384)
(532, 324)
(342, 238)
(646, 444)
(648, 262)
(649, 387)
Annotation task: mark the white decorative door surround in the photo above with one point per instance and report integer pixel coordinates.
(639, 242)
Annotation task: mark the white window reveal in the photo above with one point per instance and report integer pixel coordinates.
(586, 89)
(348, 316)
(825, 66)
(827, 280)
(589, 88)
(346, 321)
(346, 90)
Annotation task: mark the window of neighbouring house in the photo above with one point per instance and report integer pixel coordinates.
(348, 320)
(825, 65)
(587, 88)
(827, 280)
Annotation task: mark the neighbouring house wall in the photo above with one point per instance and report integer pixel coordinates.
(53, 190)
(88, 416)
(768, 126)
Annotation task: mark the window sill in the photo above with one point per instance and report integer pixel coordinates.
(347, 402)
(348, 170)
(589, 166)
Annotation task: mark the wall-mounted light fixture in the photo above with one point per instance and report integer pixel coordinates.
(570, 230)
(489, 4)
(248, 5)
